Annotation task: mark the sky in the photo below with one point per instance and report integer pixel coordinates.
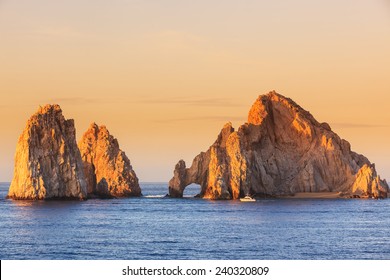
(165, 76)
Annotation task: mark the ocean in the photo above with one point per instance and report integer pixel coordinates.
(153, 227)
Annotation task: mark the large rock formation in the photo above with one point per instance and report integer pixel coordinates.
(280, 151)
(47, 161)
(107, 169)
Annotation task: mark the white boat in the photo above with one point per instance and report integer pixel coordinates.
(247, 198)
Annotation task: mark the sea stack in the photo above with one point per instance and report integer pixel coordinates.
(106, 167)
(47, 160)
(280, 151)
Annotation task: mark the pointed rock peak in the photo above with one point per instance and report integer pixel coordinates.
(273, 95)
(103, 129)
(96, 130)
(228, 125)
(49, 108)
(227, 129)
(270, 96)
(259, 109)
(180, 165)
(92, 131)
(224, 134)
(46, 114)
(93, 126)
(104, 134)
(265, 104)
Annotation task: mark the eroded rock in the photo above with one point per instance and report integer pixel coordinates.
(107, 168)
(47, 160)
(280, 151)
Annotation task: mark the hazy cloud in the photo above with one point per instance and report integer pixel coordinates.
(189, 101)
(357, 125)
(201, 118)
(75, 101)
(185, 101)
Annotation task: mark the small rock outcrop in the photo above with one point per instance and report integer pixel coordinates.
(47, 160)
(280, 151)
(107, 169)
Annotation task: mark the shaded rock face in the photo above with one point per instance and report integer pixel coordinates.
(107, 169)
(280, 151)
(47, 160)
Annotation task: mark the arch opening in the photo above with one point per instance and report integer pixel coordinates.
(192, 190)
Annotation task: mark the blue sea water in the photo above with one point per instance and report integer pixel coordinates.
(153, 227)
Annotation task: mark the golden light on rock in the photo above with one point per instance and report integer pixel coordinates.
(282, 150)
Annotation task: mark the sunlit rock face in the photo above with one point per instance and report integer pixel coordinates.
(107, 169)
(280, 151)
(47, 160)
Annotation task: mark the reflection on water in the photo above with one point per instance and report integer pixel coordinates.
(154, 227)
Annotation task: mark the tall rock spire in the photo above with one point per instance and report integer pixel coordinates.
(47, 160)
(106, 167)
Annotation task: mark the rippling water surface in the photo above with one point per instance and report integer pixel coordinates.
(153, 227)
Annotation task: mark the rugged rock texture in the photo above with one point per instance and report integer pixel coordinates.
(280, 151)
(47, 161)
(107, 169)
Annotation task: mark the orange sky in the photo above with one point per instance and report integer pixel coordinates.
(165, 76)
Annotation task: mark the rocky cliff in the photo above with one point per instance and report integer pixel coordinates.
(107, 169)
(47, 161)
(280, 151)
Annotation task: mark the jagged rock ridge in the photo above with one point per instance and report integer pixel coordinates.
(107, 169)
(280, 151)
(47, 160)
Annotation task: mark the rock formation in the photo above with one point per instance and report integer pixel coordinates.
(47, 161)
(280, 151)
(107, 169)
